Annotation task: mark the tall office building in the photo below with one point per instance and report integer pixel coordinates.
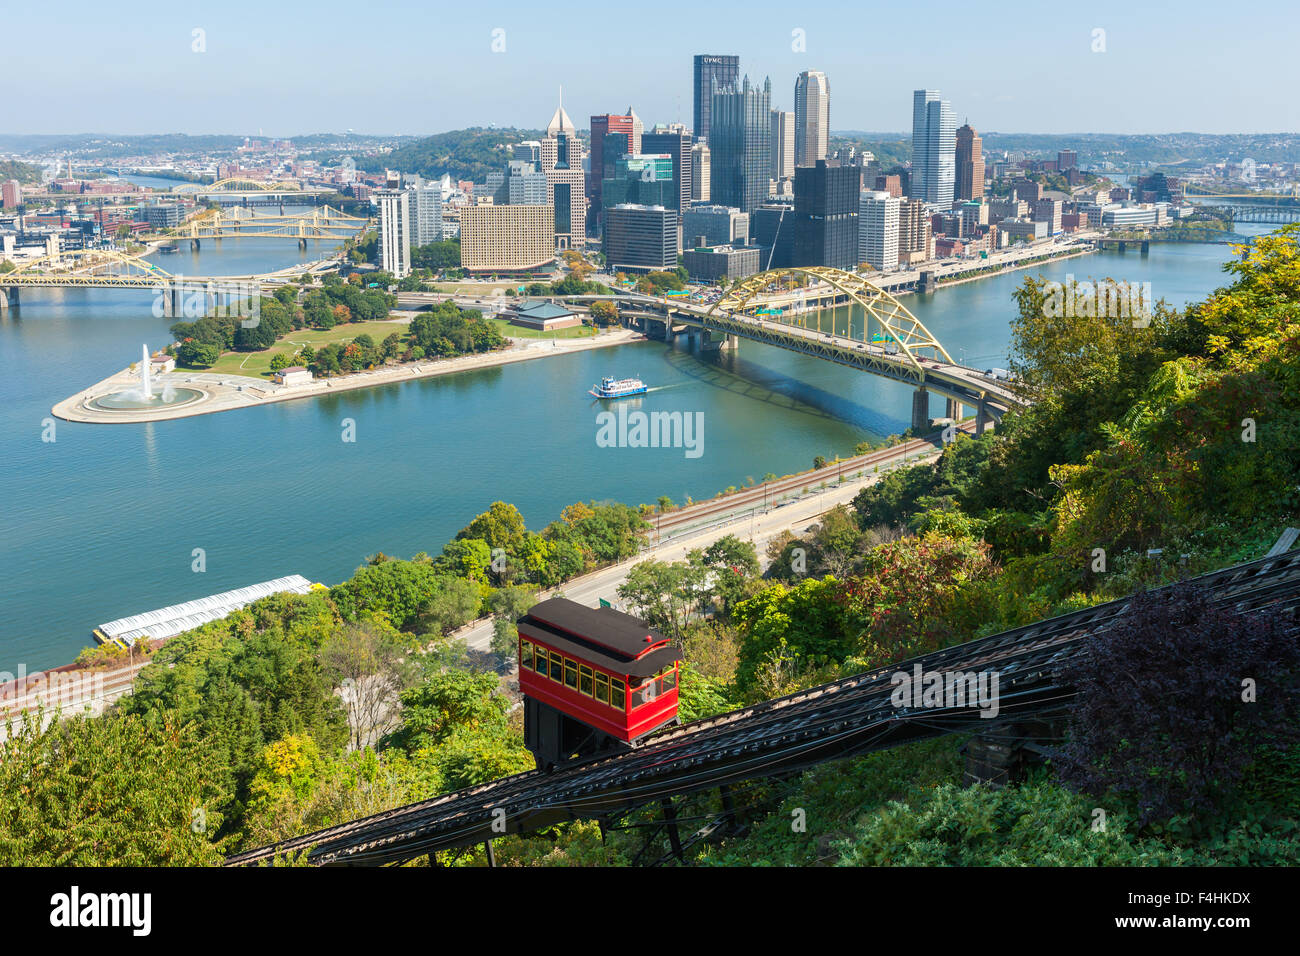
(812, 117)
(394, 231)
(701, 172)
(12, 194)
(1066, 159)
(782, 145)
(771, 228)
(644, 180)
(424, 209)
(718, 225)
(878, 229)
(566, 185)
(640, 238)
(638, 130)
(740, 144)
(934, 144)
(601, 126)
(711, 69)
(674, 141)
(970, 164)
(826, 202)
(914, 232)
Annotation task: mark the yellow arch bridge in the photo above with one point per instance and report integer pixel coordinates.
(787, 308)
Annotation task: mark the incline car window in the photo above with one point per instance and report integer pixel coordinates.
(617, 696)
(557, 667)
(570, 674)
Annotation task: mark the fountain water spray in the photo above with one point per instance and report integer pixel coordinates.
(146, 390)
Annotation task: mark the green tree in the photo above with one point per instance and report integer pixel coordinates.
(116, 790)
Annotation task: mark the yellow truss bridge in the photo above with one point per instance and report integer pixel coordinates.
(787, 308)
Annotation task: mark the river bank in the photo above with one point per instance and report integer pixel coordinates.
(225, 392)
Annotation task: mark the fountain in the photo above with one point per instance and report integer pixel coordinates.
(142, 397)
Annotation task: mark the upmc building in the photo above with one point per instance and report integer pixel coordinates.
(708, 68)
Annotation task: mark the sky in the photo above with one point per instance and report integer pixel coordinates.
(383, 67)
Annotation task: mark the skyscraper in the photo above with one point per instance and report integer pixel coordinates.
(724, 70)
(812, 117)
(740, 144)
(562, 155)
(601, 126)
(701, 172)
(934, 144)
(878, 229)
(675, 140)
(394, 231)
(782, 145)
(826, 203)
(970, 164)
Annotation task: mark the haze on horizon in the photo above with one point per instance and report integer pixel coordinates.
(402, 68)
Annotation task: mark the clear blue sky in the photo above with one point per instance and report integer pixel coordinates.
(404, 67)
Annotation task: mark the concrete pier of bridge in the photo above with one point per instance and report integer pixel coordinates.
(9, 298)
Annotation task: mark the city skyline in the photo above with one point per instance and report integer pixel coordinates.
(244, 80)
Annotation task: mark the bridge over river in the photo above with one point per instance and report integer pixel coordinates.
(779, 307)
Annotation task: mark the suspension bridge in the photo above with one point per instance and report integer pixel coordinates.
(322, 223)
(108, 269)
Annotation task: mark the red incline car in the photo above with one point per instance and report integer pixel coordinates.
(592, 679)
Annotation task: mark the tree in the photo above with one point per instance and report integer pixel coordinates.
(279, 361)
(665, 595)
(371, 665)
(455, 603)
(1175, 698)
(116, 790)
(447, 702)
(508, 605)
(604, 313)
(501, 526)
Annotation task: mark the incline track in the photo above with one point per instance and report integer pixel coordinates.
(844, 718)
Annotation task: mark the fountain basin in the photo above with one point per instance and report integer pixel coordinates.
(133, 400)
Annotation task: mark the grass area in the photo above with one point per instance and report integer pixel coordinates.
(258, 364)
(519, 332)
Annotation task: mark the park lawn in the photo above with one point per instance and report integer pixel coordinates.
(519, 332)
(258, 364)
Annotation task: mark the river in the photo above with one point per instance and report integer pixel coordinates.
(104, 521)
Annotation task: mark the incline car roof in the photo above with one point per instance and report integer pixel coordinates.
(605, 636)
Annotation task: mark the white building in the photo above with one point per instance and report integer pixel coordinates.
(394, 231)
(424, 202)
(701, 167)
(878, 229)
(934, 149)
